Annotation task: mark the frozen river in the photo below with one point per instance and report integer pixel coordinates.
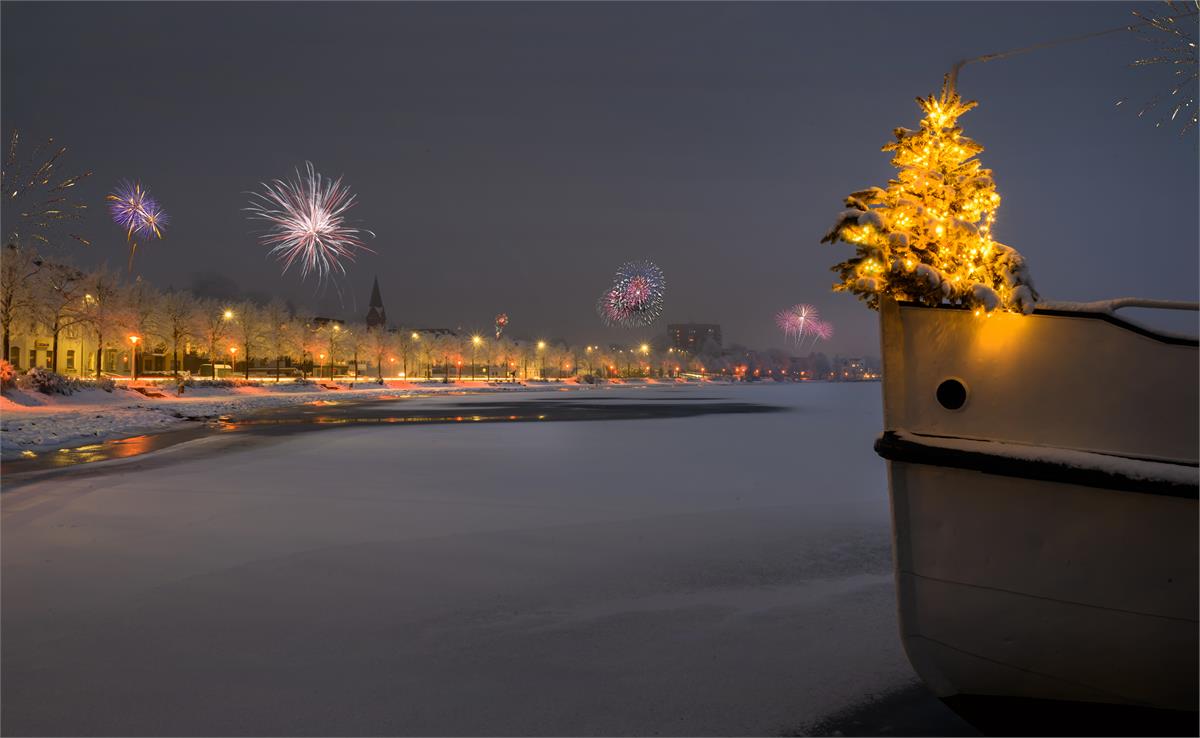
(704, 572)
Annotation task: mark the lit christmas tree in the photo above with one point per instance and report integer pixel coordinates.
(928, 236)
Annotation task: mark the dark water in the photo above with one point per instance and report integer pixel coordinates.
(325, 414)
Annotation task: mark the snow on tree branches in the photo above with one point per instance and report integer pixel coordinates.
(928, 236)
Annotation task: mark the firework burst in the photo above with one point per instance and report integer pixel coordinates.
(37, 197)
(136, 211)
(636, 296)
(1174, 41)
(132, 208)
(798, 321)
(307, 217)
(822, 330)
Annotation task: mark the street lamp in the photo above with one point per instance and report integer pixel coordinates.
(322, 357)
(233, 359)
(133, 359)
(541, 347)
(475, 341)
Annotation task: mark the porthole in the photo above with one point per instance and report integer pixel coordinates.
(952, 394)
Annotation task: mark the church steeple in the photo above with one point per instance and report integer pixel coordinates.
(376, 315)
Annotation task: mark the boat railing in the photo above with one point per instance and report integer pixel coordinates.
(1109, 308)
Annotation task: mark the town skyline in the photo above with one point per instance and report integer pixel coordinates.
(500, 180)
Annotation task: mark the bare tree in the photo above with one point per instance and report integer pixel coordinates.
(60, 291)
(279, 337)
(140, 310)
(18, 268)
(379, 342)
(354, 340)
(312, 341)
(211, 326)
(246, 328)
(176, 320)
(103, 310)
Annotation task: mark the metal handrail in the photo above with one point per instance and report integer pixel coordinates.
(1110, 306)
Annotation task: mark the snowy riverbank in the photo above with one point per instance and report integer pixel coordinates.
(35, 423)
(718, 573)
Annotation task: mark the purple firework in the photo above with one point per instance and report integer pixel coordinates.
(307, 217)
(136, 211)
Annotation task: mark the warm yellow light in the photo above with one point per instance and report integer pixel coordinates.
(927, 235)
(134, 339)
(228, 314)
(415, 336)
(645, 348)
(541, 345)
(476, 340)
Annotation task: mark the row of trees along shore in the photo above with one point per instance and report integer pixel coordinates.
(108, 308)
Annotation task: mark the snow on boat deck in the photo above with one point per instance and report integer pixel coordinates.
(702, 575)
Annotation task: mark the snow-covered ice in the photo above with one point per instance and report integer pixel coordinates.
(31, 421)
(720, 574)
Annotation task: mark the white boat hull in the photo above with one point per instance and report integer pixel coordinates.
(1040, 552)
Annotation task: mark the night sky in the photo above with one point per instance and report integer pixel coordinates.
(510, 156)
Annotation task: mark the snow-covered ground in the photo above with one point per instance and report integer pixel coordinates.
(723, 574)
(31, 421)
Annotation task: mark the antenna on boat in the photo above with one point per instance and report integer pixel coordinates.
(953, 76)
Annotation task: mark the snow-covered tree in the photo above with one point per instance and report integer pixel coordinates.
(60, 301)
(139, 314)
(211, 326)
(246, 330)
(103, 310)
(354, 342)
(280, 332)
(380, 346)
(928, 236)
(175, 321)
(18, 267)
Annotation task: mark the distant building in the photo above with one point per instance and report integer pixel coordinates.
(376, 315)
(692, 337)
(850, 370)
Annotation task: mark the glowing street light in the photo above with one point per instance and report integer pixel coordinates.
(133, 359)
(228, 315)
(475, 341)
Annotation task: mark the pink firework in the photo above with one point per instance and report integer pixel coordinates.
(612, 308)
(307, 223)
(798, 321)
(787, 322)
(821, 329)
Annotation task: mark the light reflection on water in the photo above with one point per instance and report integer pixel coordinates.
(117, 449)
(335, 413)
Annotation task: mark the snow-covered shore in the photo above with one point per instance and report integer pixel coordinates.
(710, 574)
(34, 422)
